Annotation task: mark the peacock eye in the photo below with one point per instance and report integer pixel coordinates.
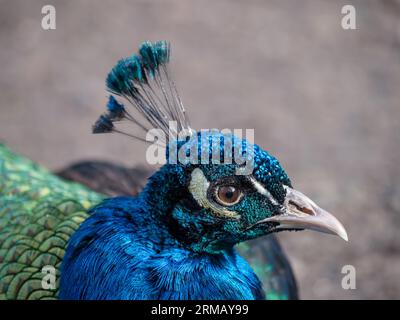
(228, 195)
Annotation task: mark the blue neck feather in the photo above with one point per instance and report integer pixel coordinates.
(125, 250)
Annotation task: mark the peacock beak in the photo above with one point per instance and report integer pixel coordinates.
(300, 212)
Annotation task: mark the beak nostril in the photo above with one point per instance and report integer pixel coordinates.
(303, 209)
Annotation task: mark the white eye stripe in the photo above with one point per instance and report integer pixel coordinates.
(263, 191)
(198, 187)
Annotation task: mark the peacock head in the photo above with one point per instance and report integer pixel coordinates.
(216, 188)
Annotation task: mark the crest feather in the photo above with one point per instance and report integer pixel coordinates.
(144, 81)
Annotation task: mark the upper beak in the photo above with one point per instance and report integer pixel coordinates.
(300, 212)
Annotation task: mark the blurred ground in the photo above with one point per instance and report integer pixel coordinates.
(325, 101)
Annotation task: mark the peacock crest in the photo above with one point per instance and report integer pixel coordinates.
(144, 81)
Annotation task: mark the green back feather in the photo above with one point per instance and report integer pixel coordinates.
(38, 214)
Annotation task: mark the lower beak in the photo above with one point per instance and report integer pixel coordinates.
(300, 212)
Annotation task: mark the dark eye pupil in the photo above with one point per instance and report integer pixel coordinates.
(229, 194)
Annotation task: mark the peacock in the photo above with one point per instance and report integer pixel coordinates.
(200, 227)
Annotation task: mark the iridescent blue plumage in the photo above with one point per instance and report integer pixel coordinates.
(176, 239)
(125, 251)
(116, 110)
(162, 245)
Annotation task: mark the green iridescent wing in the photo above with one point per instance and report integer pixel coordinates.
(268, 260)
(38, 214)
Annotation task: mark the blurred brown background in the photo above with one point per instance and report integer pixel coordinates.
(324, 100)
